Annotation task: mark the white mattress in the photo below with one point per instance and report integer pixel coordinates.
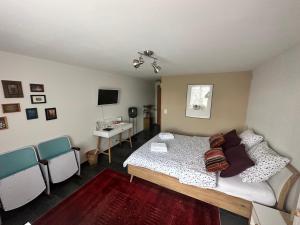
(257, 192)
(184, 160)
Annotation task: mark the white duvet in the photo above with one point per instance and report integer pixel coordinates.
(184, 160)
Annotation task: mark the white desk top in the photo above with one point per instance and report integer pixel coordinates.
(117, 129)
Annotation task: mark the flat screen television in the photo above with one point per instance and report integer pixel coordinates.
(106, 96)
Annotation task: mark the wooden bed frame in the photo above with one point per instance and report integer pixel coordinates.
(233, 204)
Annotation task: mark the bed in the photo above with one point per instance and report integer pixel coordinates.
(182, 169)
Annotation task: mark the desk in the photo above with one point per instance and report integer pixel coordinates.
(117, 129)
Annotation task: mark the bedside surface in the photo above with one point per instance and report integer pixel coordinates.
(269, 216)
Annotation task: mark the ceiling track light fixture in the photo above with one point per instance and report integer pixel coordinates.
(137, 62)
(147, 53)
(156, 67)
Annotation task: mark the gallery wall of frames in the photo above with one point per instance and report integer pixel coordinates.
(14, 90)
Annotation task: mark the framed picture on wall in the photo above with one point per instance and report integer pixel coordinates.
(3, 123)
(12, 89)
(36, 87)
(198, 101)
(51, 113)
(11, 108)
(31, 113)
(38, 99)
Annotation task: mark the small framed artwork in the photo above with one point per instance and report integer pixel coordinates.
(31, 113)
(12, 89)
(198, 101)
(51, 114)
(3, 123)
(38, 99)
(36, 87)
(11, 108)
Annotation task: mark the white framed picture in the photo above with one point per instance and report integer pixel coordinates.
(198, 101)
(38, 99)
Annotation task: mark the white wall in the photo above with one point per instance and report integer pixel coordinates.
(73, 91)
(274, 104)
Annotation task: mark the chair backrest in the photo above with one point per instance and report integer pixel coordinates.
(16, 161)
(54, 147)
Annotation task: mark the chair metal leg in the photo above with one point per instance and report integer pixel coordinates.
(46, 177)
(77, 155)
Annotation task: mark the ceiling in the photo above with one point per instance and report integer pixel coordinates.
(188, 36)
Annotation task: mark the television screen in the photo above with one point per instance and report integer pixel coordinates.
(106, 97)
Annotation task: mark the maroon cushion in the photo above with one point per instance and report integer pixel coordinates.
(231, 140)
(238, 161)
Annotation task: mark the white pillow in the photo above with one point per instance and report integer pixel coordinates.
(267, 163)
(249, 138)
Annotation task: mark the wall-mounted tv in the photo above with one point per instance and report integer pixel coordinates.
(108, 96)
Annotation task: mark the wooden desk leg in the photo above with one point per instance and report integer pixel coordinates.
(129, 134)
(98, 144)
(131, 178)
(109, 150)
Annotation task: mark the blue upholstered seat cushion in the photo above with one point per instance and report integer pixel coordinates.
(16, 161)
(55, 147)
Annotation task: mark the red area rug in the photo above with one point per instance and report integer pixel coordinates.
(109, 199)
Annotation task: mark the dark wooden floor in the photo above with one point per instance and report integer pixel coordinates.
(43, 203)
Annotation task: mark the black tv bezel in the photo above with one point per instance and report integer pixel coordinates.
(109, 89)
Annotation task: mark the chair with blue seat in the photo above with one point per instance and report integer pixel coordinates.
(21, 179)
(59, 160)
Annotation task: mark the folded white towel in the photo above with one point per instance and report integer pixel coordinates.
(166, 136)
(158, 147)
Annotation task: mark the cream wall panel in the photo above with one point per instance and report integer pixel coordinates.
(229, 103)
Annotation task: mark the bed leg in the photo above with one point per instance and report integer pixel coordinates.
(131, 178)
